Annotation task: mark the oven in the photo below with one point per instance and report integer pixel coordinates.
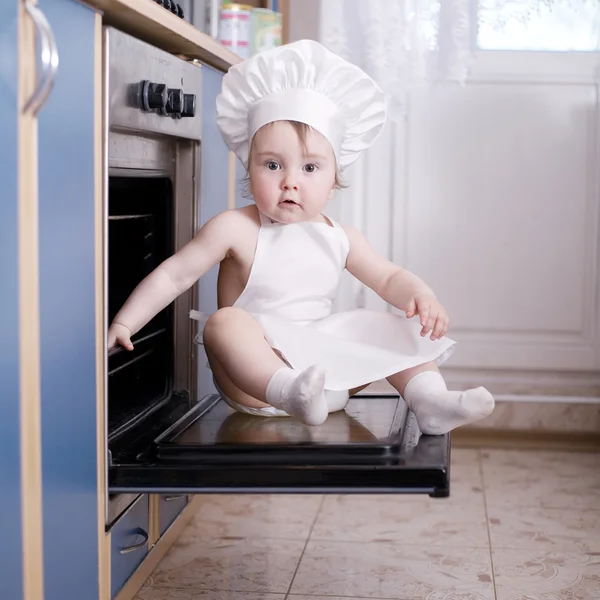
(163, 435)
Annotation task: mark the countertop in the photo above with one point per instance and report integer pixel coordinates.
(154, 24)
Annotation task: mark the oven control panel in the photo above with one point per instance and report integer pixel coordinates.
(166, 101)
(150, 90)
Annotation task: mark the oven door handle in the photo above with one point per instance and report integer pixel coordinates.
(49, 57)
(136, 531)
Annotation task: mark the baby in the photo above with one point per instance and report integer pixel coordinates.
(296, 116)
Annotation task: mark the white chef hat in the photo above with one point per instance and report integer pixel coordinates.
(305, 82)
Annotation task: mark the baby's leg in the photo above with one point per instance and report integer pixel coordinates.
(237, 349)
(338, 400)
(437, 409)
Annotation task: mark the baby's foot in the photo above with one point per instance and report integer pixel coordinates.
(439, 410)
(442, 412)
(300, 395)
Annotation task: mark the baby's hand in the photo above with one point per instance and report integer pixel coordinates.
(432, 315)
(118, 333)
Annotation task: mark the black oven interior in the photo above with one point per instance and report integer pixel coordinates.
(140, 237)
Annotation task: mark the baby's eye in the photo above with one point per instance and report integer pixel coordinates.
(310, 168)
(272, 165)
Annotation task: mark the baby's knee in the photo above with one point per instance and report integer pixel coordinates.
(223, 320)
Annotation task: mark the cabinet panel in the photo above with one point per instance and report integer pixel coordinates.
(214, 188)
(127, 547)
(10, 475)
(67, 309)
(170, 508)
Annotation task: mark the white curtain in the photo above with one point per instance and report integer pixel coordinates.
(408, 42)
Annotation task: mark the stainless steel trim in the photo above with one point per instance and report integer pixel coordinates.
(137, 531)
(186, 184)
(142, 153)
(172, 498)
(49, 57)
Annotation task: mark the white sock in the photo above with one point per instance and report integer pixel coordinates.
(336, 400)
(299, 394)
(439, 410)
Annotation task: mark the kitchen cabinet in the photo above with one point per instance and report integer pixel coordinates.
(11, 571)
(54, 463)
(67, 307)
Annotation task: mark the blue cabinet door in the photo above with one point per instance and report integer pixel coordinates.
(128, 541)
(214, 190)
(11, 550)
(67, 309)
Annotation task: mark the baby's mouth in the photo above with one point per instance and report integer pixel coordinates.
(288, 202)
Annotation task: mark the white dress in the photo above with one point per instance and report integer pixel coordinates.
(292, 286)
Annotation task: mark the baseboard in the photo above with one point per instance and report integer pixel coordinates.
(533, 414)
(525, 440)
(524, 383)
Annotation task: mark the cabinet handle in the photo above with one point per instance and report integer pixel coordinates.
(137, 531)
(171, 498)
(49, 59)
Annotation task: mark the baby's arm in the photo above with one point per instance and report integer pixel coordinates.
(395, 285)
(173, 277)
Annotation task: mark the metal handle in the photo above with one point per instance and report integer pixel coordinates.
(137, 531)
(171, 498)
(49, 59)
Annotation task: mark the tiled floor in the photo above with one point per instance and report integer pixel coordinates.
(518, 526)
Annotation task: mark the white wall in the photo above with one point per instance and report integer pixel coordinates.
(499, 209)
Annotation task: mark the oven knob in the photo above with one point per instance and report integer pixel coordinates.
(153, 96)
(174, 7)
(189, 105)
(175, 101)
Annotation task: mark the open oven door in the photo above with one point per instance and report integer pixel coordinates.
(373, 446)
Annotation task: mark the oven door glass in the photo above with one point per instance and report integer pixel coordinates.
(374, 445)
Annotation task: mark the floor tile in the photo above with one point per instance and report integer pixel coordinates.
(540, 528)
(522, 575)
(257, 515)
(244, 565)
(311, 597)
(466, 484)
(164, 593)
(380, 570)
(547, 479)
(401, 520)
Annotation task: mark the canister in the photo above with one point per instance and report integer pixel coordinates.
(235, 28)
(266, 29)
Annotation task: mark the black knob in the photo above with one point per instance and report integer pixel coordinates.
(173, 7)
(189, 105)
(153, 96)
(167, 4)
(175, 101)
(180, 11)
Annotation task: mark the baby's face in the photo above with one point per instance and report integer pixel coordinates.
(289, 182)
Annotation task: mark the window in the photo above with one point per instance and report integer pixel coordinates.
(550, 25)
